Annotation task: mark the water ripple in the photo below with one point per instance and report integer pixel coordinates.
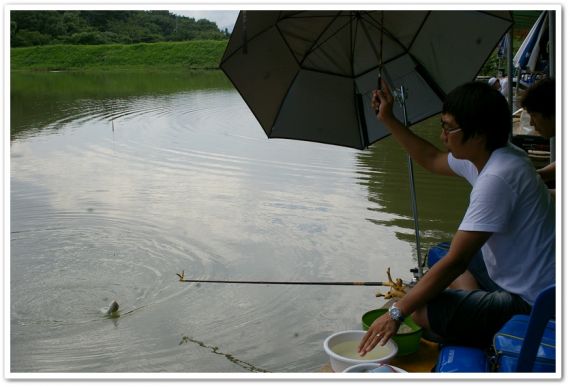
(111, 197)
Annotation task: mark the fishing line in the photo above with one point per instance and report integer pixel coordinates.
(243, 364)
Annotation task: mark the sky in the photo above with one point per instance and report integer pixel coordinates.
(224, 19)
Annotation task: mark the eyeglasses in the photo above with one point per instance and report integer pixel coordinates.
(447, 130)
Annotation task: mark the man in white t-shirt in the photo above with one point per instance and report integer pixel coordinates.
(540, 103)
(504, 81)
(467, 296)
(501, 84)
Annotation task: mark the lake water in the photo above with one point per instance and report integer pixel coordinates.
(120, 181)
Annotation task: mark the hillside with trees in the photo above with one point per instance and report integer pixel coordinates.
(37, 28)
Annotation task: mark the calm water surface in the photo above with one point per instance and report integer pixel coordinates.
(119, 181)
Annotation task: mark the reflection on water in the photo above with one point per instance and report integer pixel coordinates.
(441, 200)
(42, 101)
(120, 181)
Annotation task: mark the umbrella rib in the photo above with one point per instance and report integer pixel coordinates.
(370, 20)
(499, 17)
(369, 38)
(314, 46)
(376, 65)
(422, 71)
(419, 29)
(364, 140)
(352, 44)
(491, 53)
(227, 55)
(317, 46)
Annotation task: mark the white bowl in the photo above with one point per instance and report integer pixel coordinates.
(339, 363)
(368, 367)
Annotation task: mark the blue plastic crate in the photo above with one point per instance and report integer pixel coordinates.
(435, 253)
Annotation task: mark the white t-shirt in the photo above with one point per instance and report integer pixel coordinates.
(510, 200)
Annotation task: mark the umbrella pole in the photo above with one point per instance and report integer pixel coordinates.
(552, 68)
(415, 213)
(551, 43)
(510, 73)
(401, 97)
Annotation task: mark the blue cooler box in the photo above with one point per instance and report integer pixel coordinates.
(455, 358)
(508, 342)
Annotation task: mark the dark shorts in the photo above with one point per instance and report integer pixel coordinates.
(472, 317)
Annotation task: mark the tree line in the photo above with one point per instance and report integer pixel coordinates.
(34, 28)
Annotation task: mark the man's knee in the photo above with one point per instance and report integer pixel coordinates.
(465, 281)
(420, 317)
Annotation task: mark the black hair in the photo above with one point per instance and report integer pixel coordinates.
(541, 98)
(480, 110)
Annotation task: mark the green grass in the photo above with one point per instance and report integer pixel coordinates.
(157, 57)
(204, 54)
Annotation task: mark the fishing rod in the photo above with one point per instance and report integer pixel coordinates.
(353, 283)
(397, 288)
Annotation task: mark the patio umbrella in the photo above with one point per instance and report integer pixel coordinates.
(503, 45)
(527, 56)
(309, 75)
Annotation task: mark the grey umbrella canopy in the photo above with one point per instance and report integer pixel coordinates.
(309, 75)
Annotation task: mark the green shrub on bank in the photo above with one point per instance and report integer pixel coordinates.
(107, 27)
(196, 54)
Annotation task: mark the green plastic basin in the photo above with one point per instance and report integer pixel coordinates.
(408, 342)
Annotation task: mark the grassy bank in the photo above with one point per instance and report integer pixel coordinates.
(204, 54)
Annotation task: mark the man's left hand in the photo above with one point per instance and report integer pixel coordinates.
(381, 330)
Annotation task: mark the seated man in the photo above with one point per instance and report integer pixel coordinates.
(495, 83)
(501, 84)
(540, 103)
(510, 218)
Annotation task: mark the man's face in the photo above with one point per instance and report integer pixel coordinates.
(543, 125)
(451, 133)
(452, 137)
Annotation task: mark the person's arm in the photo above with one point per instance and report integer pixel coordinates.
(463, 247)
(421, 151)
(548, 173)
